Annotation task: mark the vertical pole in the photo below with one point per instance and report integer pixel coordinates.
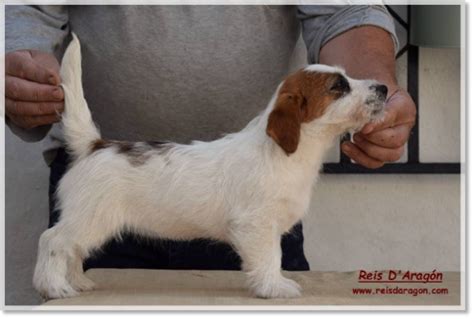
(412, 81)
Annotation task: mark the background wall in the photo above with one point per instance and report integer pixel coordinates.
(26, 216)
(356, 222)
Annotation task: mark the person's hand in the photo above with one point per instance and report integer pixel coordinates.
(32, 93)
(382, 142)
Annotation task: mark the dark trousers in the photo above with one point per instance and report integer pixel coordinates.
(133, 251)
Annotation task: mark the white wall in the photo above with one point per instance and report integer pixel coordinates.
(384, 222)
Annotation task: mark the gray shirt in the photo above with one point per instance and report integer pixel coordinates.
(179, 72)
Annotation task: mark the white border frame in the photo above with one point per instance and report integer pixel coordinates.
(463, 175)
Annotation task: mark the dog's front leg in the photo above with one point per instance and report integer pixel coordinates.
(260, 250)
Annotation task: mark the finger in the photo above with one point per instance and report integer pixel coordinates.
(359, 156)
(389, 120)
(23, 66)
(394, 137)
(399, 109)
(23, 108)
(29, 122)
(24, 90)
(379, 153)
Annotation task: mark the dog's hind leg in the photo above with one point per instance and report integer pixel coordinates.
(58, 272)
(51, 269)
(76, 276)
(260, 250)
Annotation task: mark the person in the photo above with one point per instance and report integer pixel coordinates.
(185, 73)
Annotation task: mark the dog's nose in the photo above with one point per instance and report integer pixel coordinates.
(381, 90)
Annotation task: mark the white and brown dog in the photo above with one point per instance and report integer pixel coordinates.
(246, 189)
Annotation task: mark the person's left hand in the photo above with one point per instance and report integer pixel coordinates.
(384, 142)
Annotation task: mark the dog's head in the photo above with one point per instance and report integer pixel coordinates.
(325, 96)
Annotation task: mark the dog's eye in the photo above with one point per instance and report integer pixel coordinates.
(341, 85)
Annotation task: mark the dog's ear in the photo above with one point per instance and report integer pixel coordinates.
(284, 122)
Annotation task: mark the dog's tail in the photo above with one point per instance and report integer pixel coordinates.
(79, 129)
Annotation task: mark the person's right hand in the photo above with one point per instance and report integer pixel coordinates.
(33, 96)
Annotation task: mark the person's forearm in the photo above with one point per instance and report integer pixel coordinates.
(365, 52)
(368, 53)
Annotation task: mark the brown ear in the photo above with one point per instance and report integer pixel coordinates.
(284, 122)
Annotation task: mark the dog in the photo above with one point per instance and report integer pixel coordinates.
(246, 188)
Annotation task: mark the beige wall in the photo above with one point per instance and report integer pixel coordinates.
(384, 221)
(356, 221)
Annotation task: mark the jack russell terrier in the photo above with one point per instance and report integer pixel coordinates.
(246, 188)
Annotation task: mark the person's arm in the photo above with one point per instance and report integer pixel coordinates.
(362, 40)
(34, 36)
(367, 52)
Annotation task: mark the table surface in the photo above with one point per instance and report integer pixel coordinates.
(193, 287)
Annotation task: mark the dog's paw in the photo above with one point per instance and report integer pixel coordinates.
(82, 283)
(53, 286)
(281, 288)
(57, 291)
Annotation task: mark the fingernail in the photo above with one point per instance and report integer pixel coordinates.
(357, 138)
(345, 148)
(57, 93)
(52, 80)
(368, 129)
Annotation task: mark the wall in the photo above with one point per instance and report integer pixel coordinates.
(26, 216)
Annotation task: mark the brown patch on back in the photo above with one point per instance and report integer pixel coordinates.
(137, 153)
(99, 145)
(125, 147)
(303, 97)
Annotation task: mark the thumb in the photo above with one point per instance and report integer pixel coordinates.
(21, 64)
(388, 120)
(48, 62)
